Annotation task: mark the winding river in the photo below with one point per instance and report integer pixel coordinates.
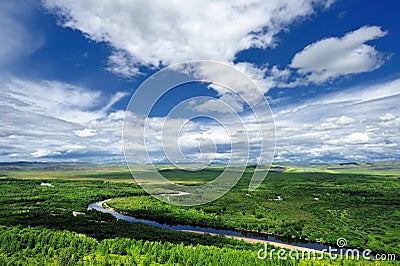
(279, 241)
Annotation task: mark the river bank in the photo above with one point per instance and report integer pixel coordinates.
(251, 237)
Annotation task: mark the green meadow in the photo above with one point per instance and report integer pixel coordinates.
(359, 202)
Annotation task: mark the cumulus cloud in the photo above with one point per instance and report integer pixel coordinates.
(389, 121)
(335, 122)
(338, 56)
(86, 132)
(356, 138)
(155, 33)
(345, 120)
(44, 153)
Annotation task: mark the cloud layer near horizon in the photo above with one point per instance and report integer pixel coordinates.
(353, 125)
(357, 124)
(57, 121)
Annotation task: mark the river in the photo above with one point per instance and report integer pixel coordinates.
(279, 241)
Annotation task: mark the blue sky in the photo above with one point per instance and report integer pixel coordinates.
(328, 68)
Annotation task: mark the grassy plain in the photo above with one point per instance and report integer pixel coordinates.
(360, 202)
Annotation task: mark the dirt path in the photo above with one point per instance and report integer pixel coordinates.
(252, 240)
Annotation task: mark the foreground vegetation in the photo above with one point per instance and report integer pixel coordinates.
(37, 206)
(22, 246)
(26, 246)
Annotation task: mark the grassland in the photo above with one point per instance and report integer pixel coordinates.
(321, 206)
(360, 202)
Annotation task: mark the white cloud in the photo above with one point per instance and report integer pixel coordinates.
(334, 57)
(229, 83)
(87, 132)
(345, 120)
(258, 75)
(356, 138)
(116, 98)
(359, 123)
(389, 121)
(351, 125)
(155, 33)
(227, 103)
(180, 139)
(48, 119)
(51, 119)
(335, 122)
(43, 153)
(56, 99)
(122, 64)
(388, 117)
(366, 93)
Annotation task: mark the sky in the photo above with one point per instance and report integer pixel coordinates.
(329, 70)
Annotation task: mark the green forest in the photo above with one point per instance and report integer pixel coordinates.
(364, 209)
(38, 226)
